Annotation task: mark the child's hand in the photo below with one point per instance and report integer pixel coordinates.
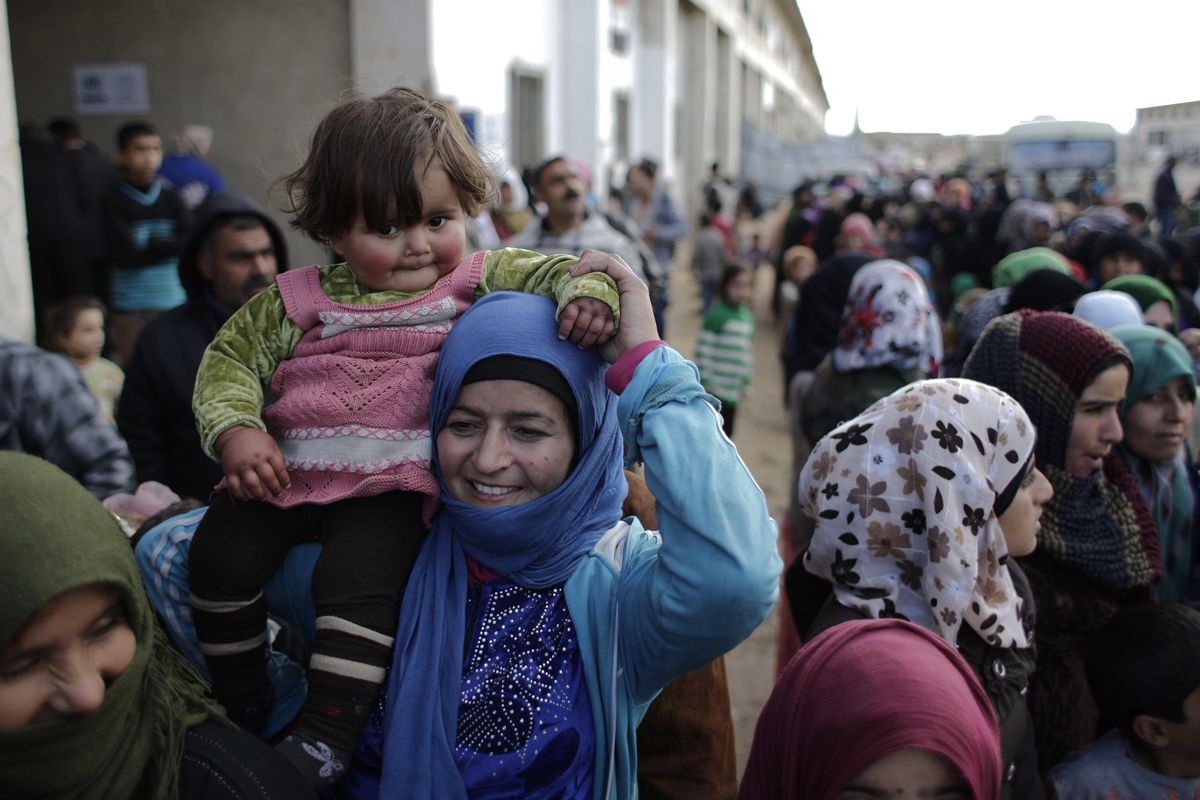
(637, 315)
(586, 321)
(252, 462)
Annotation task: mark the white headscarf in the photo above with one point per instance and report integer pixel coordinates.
(888, 321)
(904, 496)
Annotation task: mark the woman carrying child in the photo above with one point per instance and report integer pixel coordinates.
(341, 455)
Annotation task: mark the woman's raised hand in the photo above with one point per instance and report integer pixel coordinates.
(637, 316)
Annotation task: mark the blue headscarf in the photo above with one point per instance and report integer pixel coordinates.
(536, 544)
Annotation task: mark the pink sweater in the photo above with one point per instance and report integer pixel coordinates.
(351, 413)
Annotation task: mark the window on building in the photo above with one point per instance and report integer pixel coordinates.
(618, 27)
(621, 125)
(526, 116)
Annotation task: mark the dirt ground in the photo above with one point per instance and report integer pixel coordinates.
(762, 437)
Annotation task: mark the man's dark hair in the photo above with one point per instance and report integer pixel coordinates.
(1145, 660)
(366, 157)
(238, 222)
(132, 130)
(542, 167)
(648, 167)
(64, 129)
(728, 273)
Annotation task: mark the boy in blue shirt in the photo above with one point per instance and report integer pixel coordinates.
(1143, 667)
(144, 222)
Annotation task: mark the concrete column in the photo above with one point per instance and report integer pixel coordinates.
(390, 45)
(575, 111)
(16, 289)
(698, 90)
(654, 101)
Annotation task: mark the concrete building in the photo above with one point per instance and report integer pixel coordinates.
(611, 81)
(1160, 131)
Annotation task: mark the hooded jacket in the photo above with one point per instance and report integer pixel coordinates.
(155, 411)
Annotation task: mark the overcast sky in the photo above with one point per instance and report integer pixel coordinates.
(967, 66)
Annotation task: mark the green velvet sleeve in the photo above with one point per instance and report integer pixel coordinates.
(239, 363)
(514, 270)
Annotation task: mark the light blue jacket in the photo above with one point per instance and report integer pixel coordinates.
(647, 606)
(651, 606)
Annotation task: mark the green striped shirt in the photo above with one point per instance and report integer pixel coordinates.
(725, 351)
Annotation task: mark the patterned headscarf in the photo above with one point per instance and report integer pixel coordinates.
(904, 500)
(888, 321)
(861, 691)
(1098, 525)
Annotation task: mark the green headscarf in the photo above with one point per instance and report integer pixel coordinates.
(1146, 291)
(1159, 358)
(1015, 266)
(55, 537)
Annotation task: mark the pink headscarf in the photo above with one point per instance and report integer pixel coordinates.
(859, 226)
(861, 691)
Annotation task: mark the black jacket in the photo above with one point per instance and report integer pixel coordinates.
(155, 410)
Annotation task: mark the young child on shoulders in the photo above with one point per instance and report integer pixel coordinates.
(725, 350)
(341, 454)
(75, 328)
(1143, 667)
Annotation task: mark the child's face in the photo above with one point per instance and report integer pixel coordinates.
(86, 339)
(410, 259)
(739, 290)
(141, 158)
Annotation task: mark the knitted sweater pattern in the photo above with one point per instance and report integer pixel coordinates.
(351, 413)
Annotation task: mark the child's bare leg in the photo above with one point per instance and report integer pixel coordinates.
(370, 546)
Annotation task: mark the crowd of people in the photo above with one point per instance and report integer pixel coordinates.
(450, 517)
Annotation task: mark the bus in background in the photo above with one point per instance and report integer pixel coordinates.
(1064, 150)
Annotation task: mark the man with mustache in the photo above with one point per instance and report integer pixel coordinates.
(570, 225)
(232, 252)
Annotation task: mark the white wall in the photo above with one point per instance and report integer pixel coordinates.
(16, 293)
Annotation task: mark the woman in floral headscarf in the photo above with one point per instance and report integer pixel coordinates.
(889, 336)
(919, 502)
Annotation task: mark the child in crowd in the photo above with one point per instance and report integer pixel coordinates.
(725, 351)
(755, 253)
(708, 258)
(144, 222)
(1143, 667)
(75, 328)
(342, 455)
(799, 262)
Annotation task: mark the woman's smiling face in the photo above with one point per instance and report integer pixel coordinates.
(505, 443)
